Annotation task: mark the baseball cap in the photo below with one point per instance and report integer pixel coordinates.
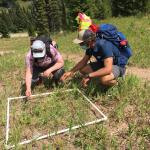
(83, 36)
(38, 49)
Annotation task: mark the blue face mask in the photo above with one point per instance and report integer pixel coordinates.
(85, 47)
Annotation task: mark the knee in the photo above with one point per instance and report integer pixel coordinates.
(57, 75)
(82, 71)
(104, 81)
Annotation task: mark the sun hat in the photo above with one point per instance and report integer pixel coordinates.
(84, 36)
(38, 49)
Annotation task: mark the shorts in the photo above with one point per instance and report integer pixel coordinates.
(117, 70)
(37, 70)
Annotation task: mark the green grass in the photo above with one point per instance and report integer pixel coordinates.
(126, 105)
(49, 114)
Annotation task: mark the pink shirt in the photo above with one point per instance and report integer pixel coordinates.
(47, 60)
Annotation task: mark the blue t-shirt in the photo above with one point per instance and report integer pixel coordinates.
(105, 49)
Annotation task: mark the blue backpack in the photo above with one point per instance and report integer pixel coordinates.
(110, 33)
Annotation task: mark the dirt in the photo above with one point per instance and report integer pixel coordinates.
(1, 86)
(6, 52)
(139, 72)
(142, 73)
(14, 35)
(119, 129)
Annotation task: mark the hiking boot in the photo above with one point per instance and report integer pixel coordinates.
(40, 81)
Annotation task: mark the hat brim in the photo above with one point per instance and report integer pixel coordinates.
(77, 41)
(39, 54)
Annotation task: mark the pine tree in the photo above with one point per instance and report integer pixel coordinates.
(128, 7)
(54, 14)
(12, 16)
(40, 16)
(21, 18)
(99, 8)
(64, 15)
(74, 7)
(30, 23)
(3, 28)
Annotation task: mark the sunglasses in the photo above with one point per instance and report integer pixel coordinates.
(83, 43)
(37, 50)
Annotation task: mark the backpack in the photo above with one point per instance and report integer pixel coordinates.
(47, 41)
(110, 33)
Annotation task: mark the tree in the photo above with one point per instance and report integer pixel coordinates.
(30, 23)
(40, 16)
(3, 28)
(54, 15)
(73, 8)
(20, 18)
(64, 14)
(128, 7)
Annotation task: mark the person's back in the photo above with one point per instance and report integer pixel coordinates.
(104, 48)
(109, 64)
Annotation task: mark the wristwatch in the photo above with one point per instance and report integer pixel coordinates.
(87, 76)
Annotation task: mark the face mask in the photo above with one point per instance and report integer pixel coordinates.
(39, 60)
(85, 47)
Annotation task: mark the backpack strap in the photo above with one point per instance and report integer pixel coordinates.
(48, 41)
(48, 51)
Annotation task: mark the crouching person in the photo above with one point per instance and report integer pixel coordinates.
(42, 60)
(109, 64)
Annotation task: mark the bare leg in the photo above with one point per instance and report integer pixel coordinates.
(108, 80)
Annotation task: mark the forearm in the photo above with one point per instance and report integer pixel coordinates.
(28, 81)
(56, 66)
(106, 70)
(28, 78)
(79, 66)
(101, 72)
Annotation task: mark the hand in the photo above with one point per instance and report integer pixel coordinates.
(28, 93)
(66, 76)
(85, 81)
(47, 74)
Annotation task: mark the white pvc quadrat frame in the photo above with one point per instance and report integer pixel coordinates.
(53, 133)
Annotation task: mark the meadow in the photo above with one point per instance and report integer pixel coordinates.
(126, 105)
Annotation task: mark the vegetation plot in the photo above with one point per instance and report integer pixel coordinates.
(126, 105)
(44, 115)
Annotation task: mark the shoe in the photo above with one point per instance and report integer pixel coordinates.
(40, 81)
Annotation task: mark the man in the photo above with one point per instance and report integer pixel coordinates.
(42, 62)
(108, 65)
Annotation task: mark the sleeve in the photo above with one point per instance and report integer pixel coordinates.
(89, 52)
(106, 49)
(56, 55)
(29, 60)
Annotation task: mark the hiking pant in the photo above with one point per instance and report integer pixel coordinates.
(56, 74)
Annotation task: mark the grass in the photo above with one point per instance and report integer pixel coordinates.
(126, 105)
(44, 113)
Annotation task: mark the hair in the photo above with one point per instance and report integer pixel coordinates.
(92, 37)
(32, 39)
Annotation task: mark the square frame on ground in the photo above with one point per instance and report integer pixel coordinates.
(8, 146)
